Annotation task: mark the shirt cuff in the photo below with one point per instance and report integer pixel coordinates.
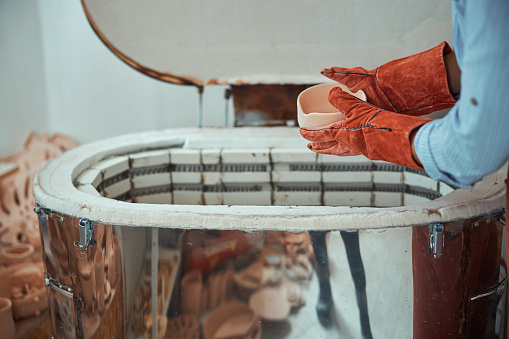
(423, 144)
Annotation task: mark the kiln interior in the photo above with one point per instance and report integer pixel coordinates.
(258, 176)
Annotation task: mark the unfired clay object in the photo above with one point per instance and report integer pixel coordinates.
(298, 268)
(21, 252)
(7, 328)
(255, 276)
(270, 304)
(27, 289)
(192, 289)
(18, 222)
(314, 109)
(232, 319)
(293, 292)
(183, 327)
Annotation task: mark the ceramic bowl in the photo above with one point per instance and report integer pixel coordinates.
(314, 109)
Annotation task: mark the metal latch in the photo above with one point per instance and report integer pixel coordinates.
(86, 228)
(54, 284)
(436, 240)
(497, 290)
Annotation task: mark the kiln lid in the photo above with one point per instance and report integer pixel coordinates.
(201, 42)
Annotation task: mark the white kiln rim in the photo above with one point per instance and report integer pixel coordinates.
(54, 190)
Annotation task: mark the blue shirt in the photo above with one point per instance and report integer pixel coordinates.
(473, 139)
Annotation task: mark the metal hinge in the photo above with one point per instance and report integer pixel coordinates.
(86, 228)
(54, 284)
(436, 240)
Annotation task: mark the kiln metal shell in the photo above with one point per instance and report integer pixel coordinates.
(109, 288)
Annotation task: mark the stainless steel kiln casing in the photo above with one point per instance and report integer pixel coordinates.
(101, 252)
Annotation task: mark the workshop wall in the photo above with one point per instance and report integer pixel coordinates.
(57, 76)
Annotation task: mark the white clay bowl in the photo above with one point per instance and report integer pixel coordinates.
(314, 109)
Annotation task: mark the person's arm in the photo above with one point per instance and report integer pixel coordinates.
(473, 139)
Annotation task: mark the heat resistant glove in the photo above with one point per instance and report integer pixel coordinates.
(415, 85)
(368, 130)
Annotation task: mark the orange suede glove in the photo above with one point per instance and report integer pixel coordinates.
(415, 85)
(376, 133)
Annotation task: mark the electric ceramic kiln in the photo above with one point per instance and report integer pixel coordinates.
(122, 220)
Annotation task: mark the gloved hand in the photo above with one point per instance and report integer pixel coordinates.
(415, 85)
(376, 133)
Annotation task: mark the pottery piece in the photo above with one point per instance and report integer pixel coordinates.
(17, 253)
(183, 327)
(7, 168)
(271, 256)
(192, 289)
(314, 109)
(27, 289)
(219, 288)
(162, 323)
(7, 328)
(296, 243)
(270, 304)
(254, 277)
(232, 319)
(293, 292)
(18, 222)
(298, 268)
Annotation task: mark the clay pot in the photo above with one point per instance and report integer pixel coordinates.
(271, 256)
(270, 304)
(17, 253)
(33, 303)
(219, 288)
(293, 292)
(28, 292)
(314, 109)
(161, 326)
(183, 327)
(254, 277)
(192, 290)
(232, 319)
(298, 268)
(7, 328)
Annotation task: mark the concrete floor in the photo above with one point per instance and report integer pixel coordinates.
(387, 262)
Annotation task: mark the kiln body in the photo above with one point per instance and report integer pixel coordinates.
(115, 216)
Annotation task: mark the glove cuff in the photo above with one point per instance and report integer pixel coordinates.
(417, 85)
(389, 139)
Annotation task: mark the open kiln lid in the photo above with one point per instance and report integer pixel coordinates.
(263, 42)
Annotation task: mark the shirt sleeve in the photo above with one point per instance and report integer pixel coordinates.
(473, 139)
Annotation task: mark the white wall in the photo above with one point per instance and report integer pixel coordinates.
(23, 103)
(57, 76)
